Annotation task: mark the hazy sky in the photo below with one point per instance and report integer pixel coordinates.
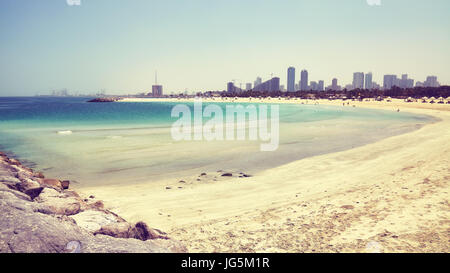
(202, 44)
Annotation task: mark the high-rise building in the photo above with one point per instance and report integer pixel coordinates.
(405, 82)
(349, 87)
(304, 80)
(368, 81)
(358, 80)
(157, 90)
(334, 84)
(275, 84)
(230, 87)
(291, 79)
(271, 85)
(297, 87)
(248, 86)
(431, 82)
(313, 86)
(375, 86)
(389, 81)
(257, 82)
(321, 86)
(402, 83)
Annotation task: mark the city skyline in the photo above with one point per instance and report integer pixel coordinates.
(361, 80)
(49, 45)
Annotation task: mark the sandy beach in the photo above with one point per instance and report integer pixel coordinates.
(388, 196)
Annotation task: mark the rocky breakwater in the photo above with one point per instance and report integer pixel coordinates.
(104, 100)
(43, 215)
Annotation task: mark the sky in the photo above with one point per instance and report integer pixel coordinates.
(199, 45)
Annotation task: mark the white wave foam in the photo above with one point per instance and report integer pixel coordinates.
(64, 132)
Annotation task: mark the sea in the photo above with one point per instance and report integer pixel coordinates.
(94, 144)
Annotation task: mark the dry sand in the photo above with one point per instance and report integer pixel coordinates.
(388, 196)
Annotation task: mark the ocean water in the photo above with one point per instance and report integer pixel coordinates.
(95, 144)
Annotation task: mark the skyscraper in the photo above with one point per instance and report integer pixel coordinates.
(157, 90)
(389, 81)
(368, 81)
(431, 82)
(271, 85)
(275, 84)
(321, 86)
(358, 80)
(304, 80)
(405, 82)
(291, 79)
(248, 86)
(334, 84)
(230, 87)
(257, 82)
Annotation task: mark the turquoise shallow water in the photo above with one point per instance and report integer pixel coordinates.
(131, 142)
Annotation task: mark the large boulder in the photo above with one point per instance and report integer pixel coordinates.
(5, 189)
(54, 202)
(26, 184)
(94, 220)
(117, 230)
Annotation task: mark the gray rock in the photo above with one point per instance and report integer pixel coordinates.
(23, 230)
(27, 184)
(9, 179)
(58, 203)
(94, 220)
(18, 194)
(41, 226)
(117, 230)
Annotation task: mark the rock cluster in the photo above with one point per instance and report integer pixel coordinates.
(104, 100)
(42, 215)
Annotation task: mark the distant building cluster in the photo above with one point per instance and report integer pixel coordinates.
(60, 93)
(361, 80)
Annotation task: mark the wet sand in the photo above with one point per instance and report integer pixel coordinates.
(388, 196)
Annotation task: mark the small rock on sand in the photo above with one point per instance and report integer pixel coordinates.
(65, 184)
